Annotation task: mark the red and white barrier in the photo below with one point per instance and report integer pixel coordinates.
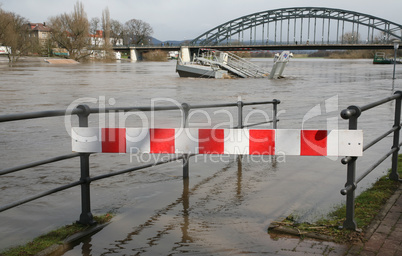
(218, 141)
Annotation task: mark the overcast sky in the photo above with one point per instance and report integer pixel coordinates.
(187, 19)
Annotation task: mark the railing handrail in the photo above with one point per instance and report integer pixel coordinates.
(77, 111)
(83, 112)
(352, 113)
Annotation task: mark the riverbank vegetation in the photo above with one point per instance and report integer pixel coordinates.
(367, 205)
(54, 237)
(157, 55)
(70, 35)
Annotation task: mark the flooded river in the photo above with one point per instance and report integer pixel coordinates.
(227, 205)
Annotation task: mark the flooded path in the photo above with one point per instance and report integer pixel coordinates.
(227, 204)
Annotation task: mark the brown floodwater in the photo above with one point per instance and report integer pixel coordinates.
(228, 203)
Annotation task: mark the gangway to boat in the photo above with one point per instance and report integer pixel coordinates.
(217, 64)
(232, 63)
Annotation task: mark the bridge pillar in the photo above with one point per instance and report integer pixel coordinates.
(185, 54)
(135, 54)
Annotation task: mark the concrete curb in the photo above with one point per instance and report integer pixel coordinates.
(67, 244)
(296, 232)
(275, 226)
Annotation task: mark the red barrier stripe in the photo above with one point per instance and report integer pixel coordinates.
(114, 140)
(313, 142)
(162, 141)
(211, 141)
(262, 142)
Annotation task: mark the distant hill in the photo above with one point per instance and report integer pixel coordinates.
(171, 42)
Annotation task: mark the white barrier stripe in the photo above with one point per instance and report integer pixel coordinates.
(218, 141)
(287, 142)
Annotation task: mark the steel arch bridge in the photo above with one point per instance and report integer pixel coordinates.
(302, 25)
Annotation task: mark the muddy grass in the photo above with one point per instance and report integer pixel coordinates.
(367, 205)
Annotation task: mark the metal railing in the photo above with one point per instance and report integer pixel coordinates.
(352, 113)
(83, 112)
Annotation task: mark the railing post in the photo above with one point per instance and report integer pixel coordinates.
(186, 157)
(86, 217)
(353, 113)
(397, 123)
(240, 114)
(275, 113)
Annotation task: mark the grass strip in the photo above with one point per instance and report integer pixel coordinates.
(367, 206)
(54, 237)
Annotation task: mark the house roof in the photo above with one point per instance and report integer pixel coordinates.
(39, 27)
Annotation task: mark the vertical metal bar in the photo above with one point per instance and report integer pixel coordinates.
(353, 30)
(315, 27)
(393, 73)
(268, 31)
(86, 217)
(186, 157)
(301, 31)
(350, 222)
(255, 31)
(372, 33)
(329, 29)
(275, 113)
(337, 30)
(276, 27)
(288, 30)
(397, 123)
(240, 114)
(357, 33)
(263, 31)
(242, 34)
(251, 33)
(323, 30)
(308, 32)
(389, 33)
(343, 28)
(294, 31)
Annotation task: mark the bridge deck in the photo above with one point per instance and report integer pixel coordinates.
(265, 47)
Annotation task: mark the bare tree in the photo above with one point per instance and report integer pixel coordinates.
(116, 31)
(350, 38)
(94, 27)
(14, 33)
(71, 31)
(106, 27)
(138, 31)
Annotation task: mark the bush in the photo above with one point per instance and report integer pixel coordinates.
(157, 55)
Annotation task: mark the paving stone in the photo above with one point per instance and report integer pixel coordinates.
(365, 253)
(336, 250)
(375, 242)
(391, 244)
(396, 235)
(383, 229)
(355, 250)
(386, 252)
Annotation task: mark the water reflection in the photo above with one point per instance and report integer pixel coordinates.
(239, 177)
(86, 247)
(186, 213)
(172, 218)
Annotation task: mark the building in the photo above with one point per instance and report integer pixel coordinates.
(39, 31)
(98, 39)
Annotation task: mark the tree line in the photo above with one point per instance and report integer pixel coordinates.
(73, 32)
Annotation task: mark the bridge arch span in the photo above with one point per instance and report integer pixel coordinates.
(304, 25)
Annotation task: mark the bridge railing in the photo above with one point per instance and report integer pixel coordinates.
(83, 112)
(352, 113)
